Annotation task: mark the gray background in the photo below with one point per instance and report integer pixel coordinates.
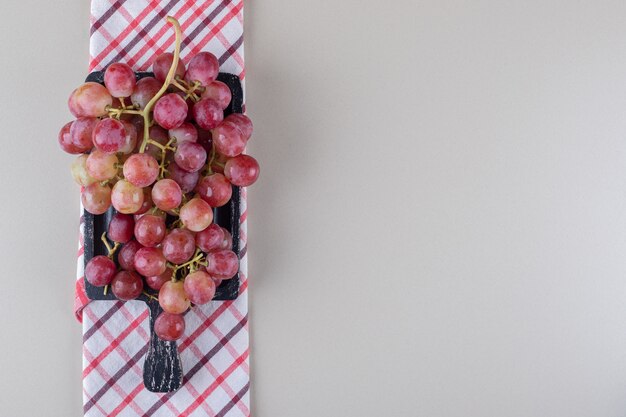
(439, 229)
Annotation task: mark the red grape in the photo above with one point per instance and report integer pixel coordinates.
(242, 170)
(144, 91)
(126, 285)
(109, 135)
(207, 113)
(190, 156)
(243, 122)
(172, 298)
(147, 201)
(162, 65)
(205, 140)
(101, 165)
(219, 92)
(126, 255)
(150, 230)
(196, 214)
(210, 239)
(178, 246)
(121, 228)
(126, 197)
(159, 135)
(79, 171)
(150, 262)
(81, 133)
(184, 132)
(199, 287)
(141, 169)
(228, 139)
(100, 270)
(119, 79)
(166, 194)
(218, 163)
(170, 111)
(203, 67)
(186, 180)
(131, 137)
(169, 327)
(65, 139)
(90, 100)
(156, 281)
(223, 264)
(227, 243)
(96, 198)
(215, 189)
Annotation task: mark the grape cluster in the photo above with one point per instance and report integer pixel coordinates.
(161, 153)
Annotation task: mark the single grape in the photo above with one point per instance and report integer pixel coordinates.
(242, 170)
(196, 214)
(150, 262)
(144, 91)
(131, 137)
(203, 67)
(65, 139)
(162, 64)
(223, 264)
(219, 92)
(127, 285)
(243, 122)
(96, 198)
(178, 246)
(210, 239)
(81, 133)
(121, 228)
(150, 230)
(184, 132)
(141, 169)
(126, 197)
(169, 327)
(199, 287)
(119, 79)
(215, 189)
(159, 135)
(100, 270)
(109, 135)
(147, 202)
(156, 281)
(205, 139)
(227, 243)
(80, 173)
(101, 165)
(186, 180)
(126, 255)
(90, 100)
(172, 297)
(207, 113)
(218, 163)
(170, 111)
(190, 156)
(228, 139)
(166, 194)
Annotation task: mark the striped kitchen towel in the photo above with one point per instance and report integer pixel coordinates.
(214, 350)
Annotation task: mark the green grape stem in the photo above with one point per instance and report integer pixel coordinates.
(168, 80)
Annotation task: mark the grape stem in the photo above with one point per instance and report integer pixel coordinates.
(193, 265)
(168, 80)
(111, 250)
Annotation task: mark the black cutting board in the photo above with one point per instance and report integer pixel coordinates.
(162, 367)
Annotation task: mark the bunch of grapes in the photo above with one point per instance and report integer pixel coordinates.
(161, 153)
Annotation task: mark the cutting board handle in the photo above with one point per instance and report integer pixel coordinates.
(162, 370)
